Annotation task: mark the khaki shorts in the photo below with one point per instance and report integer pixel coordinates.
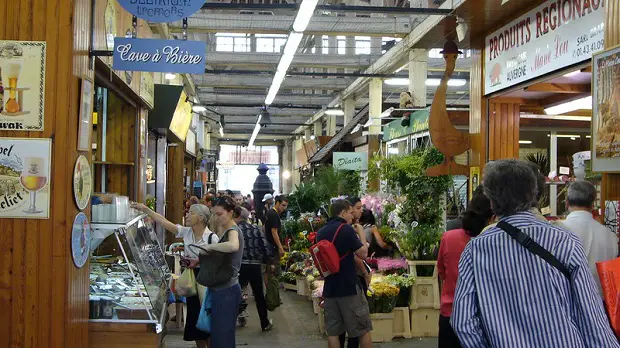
(348, 314)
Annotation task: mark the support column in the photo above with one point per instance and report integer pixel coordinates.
(307, 134)
(504, 117)
(553, 166)
(349, 110)
(418, 63)
(287, 166)
(331, 125)
(375, 96)
(318, 128)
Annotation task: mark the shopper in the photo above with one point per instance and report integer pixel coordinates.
(195, 232)
(599, 242)
(254, 256)
(377, 246)
(477, 215)
(267, 205)
(346, 308)
(510, 294)
(226, 297)
(208, 200)
(273, 225)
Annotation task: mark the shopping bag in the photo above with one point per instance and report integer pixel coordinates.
(204, 318)
(185, 285)
(609, 273)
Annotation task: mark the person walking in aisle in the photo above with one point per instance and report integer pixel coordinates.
(196, 232)
(525, 282)
(227, 296)
(273, 225)
(477, 215)
(599, 242)
(346, 308)
(254, 256)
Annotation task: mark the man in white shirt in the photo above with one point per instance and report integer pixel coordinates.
(599, 243)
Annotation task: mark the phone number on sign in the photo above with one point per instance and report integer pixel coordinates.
(584, 48)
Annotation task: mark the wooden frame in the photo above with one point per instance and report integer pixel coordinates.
(85, 126)
(605, 85)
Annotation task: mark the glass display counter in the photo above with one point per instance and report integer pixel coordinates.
(129, 280)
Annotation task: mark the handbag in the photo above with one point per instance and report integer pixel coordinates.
(204, 317)
(533, 247)
(609, 274)
(272, 293)
(215, 267)
(185, 284)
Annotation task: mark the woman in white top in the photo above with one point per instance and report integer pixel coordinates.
(195, 232)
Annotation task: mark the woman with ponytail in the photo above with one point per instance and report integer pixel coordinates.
(475, 218)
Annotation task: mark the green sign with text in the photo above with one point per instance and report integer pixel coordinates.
(418, 122)
(351, 160)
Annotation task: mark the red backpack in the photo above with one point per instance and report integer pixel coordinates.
(325, 255)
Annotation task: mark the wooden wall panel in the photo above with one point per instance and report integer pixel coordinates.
(503, 126)
(477, 112)
(44, 298)
(174, 188)
(610, 189)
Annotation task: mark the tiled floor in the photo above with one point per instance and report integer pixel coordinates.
(296, 326)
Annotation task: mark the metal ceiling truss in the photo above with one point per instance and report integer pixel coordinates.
(329, 8)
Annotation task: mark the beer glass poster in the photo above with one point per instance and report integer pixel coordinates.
(606, 111)
(22, 85)
(25, 167)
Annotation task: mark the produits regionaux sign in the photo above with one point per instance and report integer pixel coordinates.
(167, 56)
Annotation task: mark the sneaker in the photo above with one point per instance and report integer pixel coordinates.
(268, 327)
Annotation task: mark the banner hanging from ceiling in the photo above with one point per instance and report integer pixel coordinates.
(167, 56)
(162, 11)
(553, 36)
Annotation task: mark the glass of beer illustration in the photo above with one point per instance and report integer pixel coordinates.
(11, 71)
(33, 179)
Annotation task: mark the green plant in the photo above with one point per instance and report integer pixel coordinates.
(151, 202)
(541, 160)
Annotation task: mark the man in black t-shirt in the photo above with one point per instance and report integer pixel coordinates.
(273, 225)
(346, 308)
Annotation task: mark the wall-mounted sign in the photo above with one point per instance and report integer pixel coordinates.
(110, 23)
(550, 37)
(162, 11)
(350, 160)
(474, 180)
(22, 85)
(80, 240)
(418, 122)
(168, 56)
(190, 143)
(86, 116)
(182, 117)
(606, 111)
(82, 182)
(24, 177)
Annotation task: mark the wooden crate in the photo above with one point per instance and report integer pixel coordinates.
(288, 286)
(425, 291)
(424, 322)
(402, 322)
(302, 287)
(382, 327)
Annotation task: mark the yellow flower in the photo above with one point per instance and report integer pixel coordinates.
(382, 289)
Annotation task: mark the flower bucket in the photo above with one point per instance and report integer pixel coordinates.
(382, 304)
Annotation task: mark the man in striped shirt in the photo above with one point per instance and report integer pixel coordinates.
(507, 296)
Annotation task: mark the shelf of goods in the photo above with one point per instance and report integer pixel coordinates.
(128, 285)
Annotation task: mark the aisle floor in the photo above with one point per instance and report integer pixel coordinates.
(296, 326)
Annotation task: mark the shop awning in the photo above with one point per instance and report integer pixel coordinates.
(340, 136)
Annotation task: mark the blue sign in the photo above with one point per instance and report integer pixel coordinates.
(162, 10)
(168, 56)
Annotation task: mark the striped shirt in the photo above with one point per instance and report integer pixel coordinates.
(508, 297)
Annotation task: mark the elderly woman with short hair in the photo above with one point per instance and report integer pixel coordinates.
(509, 293)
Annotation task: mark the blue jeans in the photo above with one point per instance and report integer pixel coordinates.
(224, 316)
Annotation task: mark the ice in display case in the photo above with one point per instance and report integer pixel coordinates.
(129, 276)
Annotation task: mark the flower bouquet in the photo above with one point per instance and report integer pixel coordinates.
(404, 283)
(388, 265)
(382, 297)
(288, 277)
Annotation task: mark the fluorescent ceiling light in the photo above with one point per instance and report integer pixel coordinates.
(334, 112)
(221, 131)
(559, 117)
(312, 137)
(290, 48)
(304, 14)
(399, 81)
(387, 113)
(578, 104)
(572, 136)
(525, 142)
(199, 108)
(576, 72)
(170, 76)
(255, 132)
(285, 174)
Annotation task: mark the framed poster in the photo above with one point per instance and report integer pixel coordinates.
(606, 111)
(82, 182)
(80, 240)
(22, 87)
(474, 180)
(25, 174)
(86, 116)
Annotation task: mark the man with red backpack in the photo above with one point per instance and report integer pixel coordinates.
(346, 308)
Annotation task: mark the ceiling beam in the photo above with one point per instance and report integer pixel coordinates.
(293, 73)
(275, 112)
(261, 104)
(328, 8)
(214, 98)
(253, 59)
(559, 88)
(210, 22)
(264, 81)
